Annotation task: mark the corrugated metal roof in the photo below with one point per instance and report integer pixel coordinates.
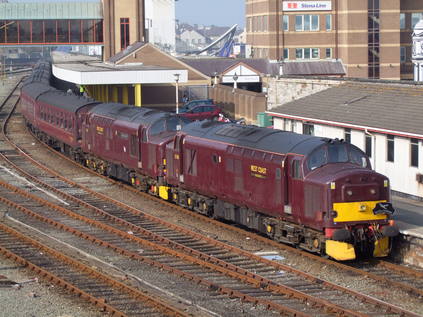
(51, 10)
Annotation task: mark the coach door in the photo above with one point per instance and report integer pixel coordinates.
(294, 200)
(143, 155)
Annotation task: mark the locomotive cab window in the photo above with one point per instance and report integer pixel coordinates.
(296, 169)
(336, 153)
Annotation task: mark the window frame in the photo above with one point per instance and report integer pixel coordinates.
(330, 52)
(403, 54)
(347, 135)
(402, 21)
(414, 152)
(308, 128)
(390, 148)
(328, 22)
(368, 144)
(285, 24)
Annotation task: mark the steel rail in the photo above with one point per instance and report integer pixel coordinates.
(266, 240)
(273, 263)
(136, 294)
(363, 297)
(201, 259)
(224, 290)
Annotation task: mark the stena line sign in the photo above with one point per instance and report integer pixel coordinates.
(307, 5)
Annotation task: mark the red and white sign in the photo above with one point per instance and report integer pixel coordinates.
(307, 5)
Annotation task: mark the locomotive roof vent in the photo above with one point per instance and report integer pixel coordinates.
(232, 130)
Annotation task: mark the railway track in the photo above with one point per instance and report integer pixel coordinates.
(265, 278)
(265, 286)
(399, 276)
(109, 294)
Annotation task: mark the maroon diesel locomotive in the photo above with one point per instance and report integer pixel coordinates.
(316, 193)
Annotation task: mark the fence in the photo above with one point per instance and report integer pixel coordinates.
(239, 103)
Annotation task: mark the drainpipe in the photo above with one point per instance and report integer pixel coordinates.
(373, 147)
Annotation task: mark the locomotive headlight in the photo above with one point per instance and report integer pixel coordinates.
(349, 192)
(385, 183)
(363, 208)
(372, 191)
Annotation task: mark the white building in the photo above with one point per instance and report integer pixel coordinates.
(160, 23)
(384, 120)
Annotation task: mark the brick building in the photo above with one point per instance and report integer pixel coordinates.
(371, 37)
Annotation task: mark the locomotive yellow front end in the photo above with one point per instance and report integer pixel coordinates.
(361, 226)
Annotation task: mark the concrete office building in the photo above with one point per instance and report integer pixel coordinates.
(373, 38)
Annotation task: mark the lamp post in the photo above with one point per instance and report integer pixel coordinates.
(214, 79)
(235, 78)
(177, 92)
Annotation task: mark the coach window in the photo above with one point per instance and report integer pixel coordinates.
(414, 155)
(390, 146)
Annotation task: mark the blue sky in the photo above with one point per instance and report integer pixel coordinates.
(207, 12)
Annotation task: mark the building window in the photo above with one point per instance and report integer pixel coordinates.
(285, 53)
(415, 17)
(314, 53)
(414, 155)
(259, 23)
(347, 135)
(308, 128)
(285, 22)
(124, 33)
(373, 38)
(368, 145)
(403, 56)
(402, 21)
(390, 148)
(328, 18)
(307, 53)
(328, 52)
(306, 22)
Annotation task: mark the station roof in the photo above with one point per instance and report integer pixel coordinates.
(50, 10)
(83, 70)
(376, 107)
(211, 65)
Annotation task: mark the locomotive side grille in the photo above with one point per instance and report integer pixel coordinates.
(313, 200)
